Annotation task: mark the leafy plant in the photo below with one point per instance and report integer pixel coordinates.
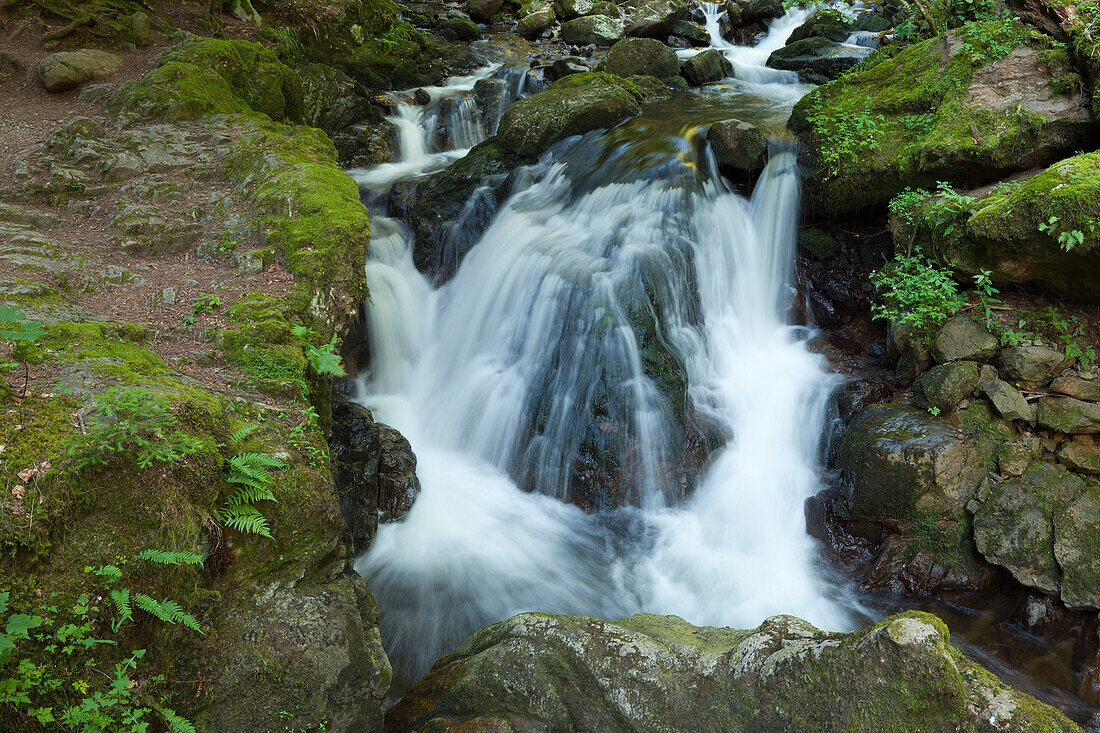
(323, 359)
(847, 135)
(933, 410)
(250, 474)
(205, 303)
(22, 334)
(986, 291)
(1067, 239)
(913, 292)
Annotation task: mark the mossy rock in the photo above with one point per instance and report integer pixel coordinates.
(633, 56)
(825, 23)
(971, 105)
(659, 673)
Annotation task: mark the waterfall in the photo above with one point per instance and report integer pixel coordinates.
(748, 61)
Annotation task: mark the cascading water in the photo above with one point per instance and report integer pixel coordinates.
(496, 379)
(748, 61)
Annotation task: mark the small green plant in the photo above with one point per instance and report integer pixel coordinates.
(323, 359)
(250, 475)
(1067, 239)
(913, 292)
(984, 282)
(205, 303)
(933, 410)
(22, 335)
(132, 421)
(847, 135)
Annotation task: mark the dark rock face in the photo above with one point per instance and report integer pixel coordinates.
(374, 470)
(828, 23)
(705, 67)
(634, 56)
(655, 18)
(943, 387)
(537, 672)
(755, 11)
(331, 99)
(738, 146)
(818, 56)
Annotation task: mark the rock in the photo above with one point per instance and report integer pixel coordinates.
(755, 11)
(490, 96)
(635, 56)
(1081, 453)
(1014, 526)
(605, 7)
(939, 117)
(1077, 549)
(563, 67)
(818, 56)
(366, 144)
(66, 70)
(1074, 386)
(1008, 402)
(1013, 459)
(825, 23)
(532, 25)
(538, 672)
(571, 106)
(1031, 364)
(705, 67)
(569, 9)
(654, 18)
(814, 242)
(483, 10)
(963, 339)
(942, 387)
(140, 27)
(331, 100)
(733, 14)
(1067, 415)
(738, 145)
(693, 33)
(596, 29)
(458, 26)
(10, 67)
(374, 471)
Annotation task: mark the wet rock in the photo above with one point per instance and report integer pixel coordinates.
(755, 11)
(595, 29)
(1067, 415)
(705, 67)
(563, 67)
(654, 18)
(331, 99)
(963, 339)
(539, 20)
(1031, 364)
(366, 144)
(823, 58)
(66, 70)
(635, 56)
(826, 23)
(1075, 386)
(738, 145)
(942, 387)
(693, 34)
(1081, 453)
(654, 673)
(1077, 549)
(1014, 526)
(456, 25)
(483, 10)
(374, 471)
(1007, 400)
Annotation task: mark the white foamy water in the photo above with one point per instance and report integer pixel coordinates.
(748, 61)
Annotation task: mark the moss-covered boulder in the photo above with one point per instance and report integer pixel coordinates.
(655, 18)
(816, 59)
(331, 100)
(942, 387)
(825, 23)
(539, 18)
(1068, 415)
(659, 673)
(645, 56)
(1043, 231)
(962, 338)
(738, 146)
(570, 106)
(66, 70)
(968, 106)
(706, 67)
(599, 30)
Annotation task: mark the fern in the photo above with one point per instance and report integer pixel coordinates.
(242, 433)
(167, 611)
(251, 473)
(245, 518)
(121, 599)
(176, 723)
(164, 557)
(250, 495)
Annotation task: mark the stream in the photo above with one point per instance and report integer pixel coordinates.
(540, 344)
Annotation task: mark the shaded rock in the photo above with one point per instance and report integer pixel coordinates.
(10, 66)
(819, 56)
(654, 18)
(1033, 364)
(1077, 549)
(569, 9)
(963, 339)
(944, 386)
(539, 672)
(562, 68)
(1014, 526)
(65, 70)
(331, 100)
(490, 96)
(635, 56)
(814, 242)
(825, 23)
(738, 145)
(532, 25)
(605, 7)
(1013, 459)
(483, 10)
(1007, 400)
(458, 26)
(571, 106)
(705, 67)
(1067, 415)
(1074, 386)
(140, 27)
(374, 471)
(366, 144)
(596, 29)
(690, 31)
(1082, 453)
(755, 11)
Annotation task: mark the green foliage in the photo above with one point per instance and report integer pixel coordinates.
(22, 335)
(913, 292)
(933, 410)
(1067, 240)
(846, 135)
(929, 19)
(1051, 325)
(250, 475)
(907, 204)
(134, 422)
(986, 291)
(205, 303)
(178, 557)
(49, 661)
(324, 359)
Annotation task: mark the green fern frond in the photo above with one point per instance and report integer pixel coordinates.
(176, 723)
(121, 599)
(242, 433)
(256, 460)
(250, 495)
(167, 611)
(245, 518)
(180, 557)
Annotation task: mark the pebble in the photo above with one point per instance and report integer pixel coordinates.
(168, 296)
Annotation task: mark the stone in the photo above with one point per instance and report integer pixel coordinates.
(1067, 415)
(942, 387)
(483, 10)
(331, 100)
(705, 67)
(1077, 549)
(539, 672)
(596, 29)
(1007, 400)
(635, 56)
(569, 9)
(562, 68)
(818, 56)
(739, 146)
(1031, 364)
(693, 33)
(1074, 386)
(535, 23)
(10, 67)
(456, 25)
(1013, 459)
(654, 18)
(963, 339)
(140, 27)
(14, 214)
(168, 296)
(1014, 527)
(987, 373)
(825, 23)
(1081, 453)
(66, 70)
(755, 11)
(490, 96)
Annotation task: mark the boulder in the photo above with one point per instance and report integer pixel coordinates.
(705, 67)
(140, 27)
(648, 56)
(654, 18)
(331, 99)
(1081, 454)
(538, 672)
(605, 7)
(490, 96)
(457, 26)
(1007, 400)
(942, 387)
(963, 339)
(1067, 415)
(757, 11)
(574, 105)
(596, 29)
(66, 70)
(1074, 386)
(10, 66)
(1077, 549)
(930, 113)
(374, 471)
(820, 57)
(483, 10)
(569, 9)
(563, 67)
(825, 23)
(739, 146)
(535, 23)
(690, 31)
(1031, 364)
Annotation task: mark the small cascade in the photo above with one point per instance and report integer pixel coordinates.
(748, 61)
(863, 39)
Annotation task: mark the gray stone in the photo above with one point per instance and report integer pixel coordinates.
(596, 29)
(1077, 549)
(648, 56)
(535, 23)
(10, 66)
(819, 57)
(654, 18)
(1081, 453)
(483, 10)
(705, 67)
(458, 26)
(140, 27)
(943, 386)
(564, 67)
(1013, 459)
(66, 70)
(738, 145)
(1009, 403)
(961, 338)
(1075, 386)
(168, 296)
(29, 217)
(331, 99)
(1031, 364)
(755, 11)
(1067, 415)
